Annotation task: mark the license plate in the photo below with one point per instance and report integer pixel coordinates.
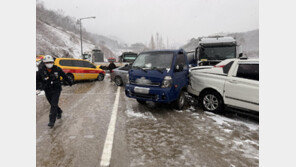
(141, 90)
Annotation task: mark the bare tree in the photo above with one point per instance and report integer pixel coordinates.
(152, 43)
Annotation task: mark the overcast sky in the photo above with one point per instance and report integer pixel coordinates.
(178, 20)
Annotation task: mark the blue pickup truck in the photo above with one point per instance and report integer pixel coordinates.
(159, 76)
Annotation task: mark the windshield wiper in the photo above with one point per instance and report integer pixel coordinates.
(137, 67)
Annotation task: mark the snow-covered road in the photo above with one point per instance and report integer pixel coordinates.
(145, 135)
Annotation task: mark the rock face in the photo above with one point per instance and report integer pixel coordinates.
(249, 41)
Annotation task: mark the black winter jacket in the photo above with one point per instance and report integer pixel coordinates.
(111, 66)
(50, 80)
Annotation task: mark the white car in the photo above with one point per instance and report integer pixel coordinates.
(232, 82)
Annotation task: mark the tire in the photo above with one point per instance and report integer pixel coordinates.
(141, 101)
(212, 101)
(71, 77)
(101, 77)
(180, 102)
(118, 81)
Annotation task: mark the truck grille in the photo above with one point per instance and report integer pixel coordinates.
(148, 84)
(145, 96)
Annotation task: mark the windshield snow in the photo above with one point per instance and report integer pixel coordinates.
(154, 60)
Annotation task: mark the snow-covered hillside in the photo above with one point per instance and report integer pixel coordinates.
(59, 35)
(58, 42)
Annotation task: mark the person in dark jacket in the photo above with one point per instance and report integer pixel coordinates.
(48, 79)
(111, 66)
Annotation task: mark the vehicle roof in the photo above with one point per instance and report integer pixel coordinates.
(165, 50)
(249, 59)
(191, 51)
(211, 40)
(241, 59)
(129, 53)
(62, 58)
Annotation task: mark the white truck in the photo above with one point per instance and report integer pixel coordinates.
(213, 50)
(232, 82)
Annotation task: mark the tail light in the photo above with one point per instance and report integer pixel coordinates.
(220, 66)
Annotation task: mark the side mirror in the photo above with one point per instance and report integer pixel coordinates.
(240, 55)
(240, 51)
(178, 68)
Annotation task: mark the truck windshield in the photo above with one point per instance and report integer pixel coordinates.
(217, 52)
(154, 60)
(130, 57)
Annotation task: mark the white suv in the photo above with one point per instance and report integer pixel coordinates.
(233, 82)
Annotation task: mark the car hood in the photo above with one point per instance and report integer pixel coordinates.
(212, 70)
(148, 78)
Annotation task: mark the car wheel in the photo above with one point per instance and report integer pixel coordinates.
(141, 101)
(212, 101)
(180, 102)
(101, 77)
(71, 77)
(118, 81)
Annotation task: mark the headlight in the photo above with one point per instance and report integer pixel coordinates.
(167, 82)
(127, 79)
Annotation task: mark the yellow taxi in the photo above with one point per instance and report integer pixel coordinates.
(78, 69)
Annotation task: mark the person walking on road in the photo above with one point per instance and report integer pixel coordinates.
(111, 66)
(49, 76)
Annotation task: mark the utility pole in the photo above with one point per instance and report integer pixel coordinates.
(81, 38)
(79, 21)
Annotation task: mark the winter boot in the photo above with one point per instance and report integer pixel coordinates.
(59, 115)
(50, 124)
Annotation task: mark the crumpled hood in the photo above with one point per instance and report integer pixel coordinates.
(213, 70)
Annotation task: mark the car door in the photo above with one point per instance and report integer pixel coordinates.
(89, 70)
(180, 76)
(78, 69)
(123, 73)
(242, 87)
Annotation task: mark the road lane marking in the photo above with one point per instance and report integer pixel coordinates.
(107, 150)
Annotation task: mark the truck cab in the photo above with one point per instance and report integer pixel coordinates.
(128, 57)
(159, 76)
(112, 59)
(87, 56)
(213, 50)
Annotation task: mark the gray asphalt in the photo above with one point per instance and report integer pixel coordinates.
(145, 135)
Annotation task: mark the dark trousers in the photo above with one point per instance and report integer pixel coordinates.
(53, 99)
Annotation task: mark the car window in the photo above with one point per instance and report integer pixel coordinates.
(78, 63)
(87, 64)
(66, 63)
(181, 60)
(92, 66)
(248, 71)
(227, 67)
